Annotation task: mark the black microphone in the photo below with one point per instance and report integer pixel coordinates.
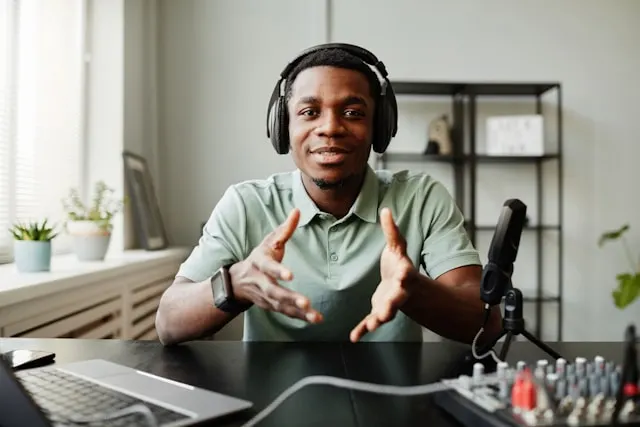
(496, 276)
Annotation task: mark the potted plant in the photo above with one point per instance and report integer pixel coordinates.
(32, 246)
(90, 224)
(628, 282)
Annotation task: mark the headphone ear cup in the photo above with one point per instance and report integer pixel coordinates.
(382, 127)
(280, 135)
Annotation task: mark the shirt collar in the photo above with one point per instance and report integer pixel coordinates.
(302, 201)
(365, 206)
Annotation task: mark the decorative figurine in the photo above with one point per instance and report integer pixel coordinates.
(439, 137)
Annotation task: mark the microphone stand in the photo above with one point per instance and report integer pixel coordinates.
(513, 324)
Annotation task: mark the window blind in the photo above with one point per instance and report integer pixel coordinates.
(40, 112)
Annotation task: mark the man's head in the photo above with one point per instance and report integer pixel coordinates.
(331, 99)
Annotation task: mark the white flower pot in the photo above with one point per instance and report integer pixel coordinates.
(90, 242)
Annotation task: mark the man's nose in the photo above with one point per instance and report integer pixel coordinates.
(330, 124)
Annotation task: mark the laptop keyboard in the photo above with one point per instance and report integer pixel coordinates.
(64, 397)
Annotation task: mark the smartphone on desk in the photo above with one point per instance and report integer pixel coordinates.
(25, 359)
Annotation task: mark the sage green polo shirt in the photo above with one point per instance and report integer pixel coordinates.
(335, 262)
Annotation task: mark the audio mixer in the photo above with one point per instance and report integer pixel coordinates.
(581, 392)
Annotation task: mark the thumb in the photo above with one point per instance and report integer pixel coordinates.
(390, 230)
(286, 229)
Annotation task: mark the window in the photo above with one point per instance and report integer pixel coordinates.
(41, 112)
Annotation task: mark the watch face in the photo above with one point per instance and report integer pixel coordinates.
(218, 288)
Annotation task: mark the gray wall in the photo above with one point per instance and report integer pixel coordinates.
(219, 61)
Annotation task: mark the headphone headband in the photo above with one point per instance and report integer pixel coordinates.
(358, 51)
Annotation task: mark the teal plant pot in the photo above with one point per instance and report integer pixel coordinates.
(32, 256)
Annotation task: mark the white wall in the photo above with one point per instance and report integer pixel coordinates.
(105, 86)
(122, 104)
(219, 61)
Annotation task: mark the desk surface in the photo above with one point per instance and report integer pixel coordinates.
(259, 372)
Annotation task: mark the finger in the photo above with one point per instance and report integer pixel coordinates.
(282, 299)
(286, 229)
(359, 331)
(286, 296)
(273, 268)
(384, 314)
(372, 323)
(390, 230)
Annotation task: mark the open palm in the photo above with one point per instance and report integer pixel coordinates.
(395, 270)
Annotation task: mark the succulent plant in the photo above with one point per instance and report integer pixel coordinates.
(33, 230)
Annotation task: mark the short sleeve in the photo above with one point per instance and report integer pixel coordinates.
(447, 244)
(223, 239)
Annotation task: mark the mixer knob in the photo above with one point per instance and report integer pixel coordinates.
(502, 369)
(604, 385)
(561, 365)
(581, 366)
(478, 372)
(561, 388)
(598, 363)
(609, 367)
(550, 370)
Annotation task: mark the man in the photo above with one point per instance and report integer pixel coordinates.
(332, 250)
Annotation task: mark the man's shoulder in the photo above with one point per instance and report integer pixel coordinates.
(266, 189)
(405, 182)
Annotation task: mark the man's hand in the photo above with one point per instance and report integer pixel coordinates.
(255, 279)
(396, 271)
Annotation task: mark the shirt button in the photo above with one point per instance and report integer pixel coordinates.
(334, 257)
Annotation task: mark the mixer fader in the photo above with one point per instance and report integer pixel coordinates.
(580, 392)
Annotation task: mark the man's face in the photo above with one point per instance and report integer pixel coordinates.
(330, 124)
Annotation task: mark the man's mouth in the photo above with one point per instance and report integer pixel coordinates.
(329, 155)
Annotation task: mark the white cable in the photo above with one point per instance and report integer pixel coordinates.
(348, 384)
(487, 354)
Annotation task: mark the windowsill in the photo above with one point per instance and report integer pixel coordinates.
(67, 272)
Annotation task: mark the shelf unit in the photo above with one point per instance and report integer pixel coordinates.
(465, 161)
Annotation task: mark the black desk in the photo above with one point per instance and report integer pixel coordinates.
(259, 372)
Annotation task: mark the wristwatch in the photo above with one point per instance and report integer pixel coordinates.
(222, 291)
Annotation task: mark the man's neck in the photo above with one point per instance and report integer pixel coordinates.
(335, 201)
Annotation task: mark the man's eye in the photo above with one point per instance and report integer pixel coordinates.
(353, 113)
(308, 112)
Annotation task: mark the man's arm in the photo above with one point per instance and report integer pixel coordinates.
(450, 305)
(186, 310)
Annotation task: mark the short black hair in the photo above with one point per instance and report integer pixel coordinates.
(334, 57)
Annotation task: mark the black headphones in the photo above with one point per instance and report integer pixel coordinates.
(385, 120)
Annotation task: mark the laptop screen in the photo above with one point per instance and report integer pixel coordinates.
(17, 408)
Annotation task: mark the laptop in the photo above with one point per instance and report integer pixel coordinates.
(75, 393)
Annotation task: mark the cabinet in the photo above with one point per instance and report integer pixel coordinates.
(114, 299)
(469, 159)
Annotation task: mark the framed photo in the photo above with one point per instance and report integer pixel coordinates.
(142, 196)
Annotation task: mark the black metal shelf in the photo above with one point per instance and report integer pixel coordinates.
(466, 159)
(526, 228)
(474, 88)
(480, 158)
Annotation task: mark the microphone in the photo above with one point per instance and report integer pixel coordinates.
(496, 276)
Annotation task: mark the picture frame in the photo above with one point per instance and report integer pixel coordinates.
(148, 221)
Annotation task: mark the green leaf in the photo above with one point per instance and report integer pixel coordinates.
(612, 234)
(627, 291)
(34, 230)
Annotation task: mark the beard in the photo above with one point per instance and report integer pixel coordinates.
(324, 184)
